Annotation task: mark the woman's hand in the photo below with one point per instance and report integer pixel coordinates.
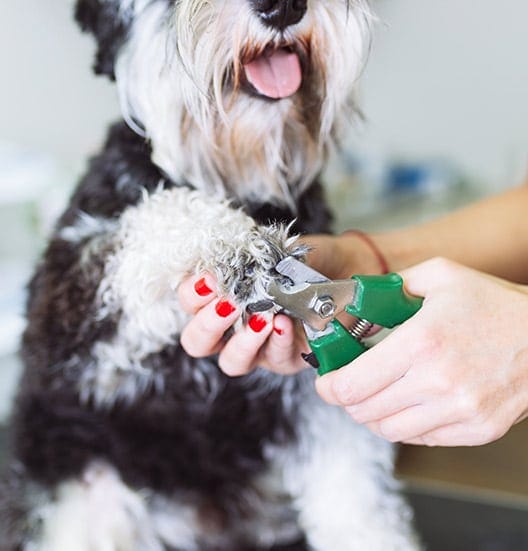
(273, 342)
(454, 374)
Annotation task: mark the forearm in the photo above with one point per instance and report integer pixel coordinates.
(491, 236)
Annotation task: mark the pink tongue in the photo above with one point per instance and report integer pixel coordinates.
(277, 75)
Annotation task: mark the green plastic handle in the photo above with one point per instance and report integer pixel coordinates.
(336, 349)
(382, 300)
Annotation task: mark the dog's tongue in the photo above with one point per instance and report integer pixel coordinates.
(275, 75)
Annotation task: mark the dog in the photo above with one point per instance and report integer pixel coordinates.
(119, 440)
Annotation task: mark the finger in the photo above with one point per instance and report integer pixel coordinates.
(398, 396)
(203, 334)
(373, 371)
(461, 434)
(415, 442)
(435, 437)
(282, 352)
(195, 292)
(241, 350)
(421, 279)
(412, 423)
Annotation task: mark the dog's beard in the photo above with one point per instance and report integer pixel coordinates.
(184, 81)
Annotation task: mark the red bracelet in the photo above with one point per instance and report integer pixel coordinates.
(384, 266)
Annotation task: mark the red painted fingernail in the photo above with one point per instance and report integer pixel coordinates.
(201, 288)
(278, 330)
(257, 323)
(224, 308)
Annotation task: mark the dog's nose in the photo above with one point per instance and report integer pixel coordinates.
(280, 13)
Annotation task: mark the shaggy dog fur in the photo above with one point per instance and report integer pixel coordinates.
(122, 442)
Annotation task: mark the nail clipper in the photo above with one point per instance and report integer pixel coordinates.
(316, 300)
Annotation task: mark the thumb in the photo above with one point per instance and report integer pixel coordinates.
(424, 278)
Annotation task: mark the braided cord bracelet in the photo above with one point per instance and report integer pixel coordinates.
(382, 261)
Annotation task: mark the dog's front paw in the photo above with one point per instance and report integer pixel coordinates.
(246, 267)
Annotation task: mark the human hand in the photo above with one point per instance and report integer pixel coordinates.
(273, 342)
(454, 374)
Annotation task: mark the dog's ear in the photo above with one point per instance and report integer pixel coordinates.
(105, 20)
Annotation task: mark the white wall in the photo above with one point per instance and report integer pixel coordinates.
(449, 78)
(446, 78)
(49, 100)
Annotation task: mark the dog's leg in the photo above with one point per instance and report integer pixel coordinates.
(147, 252)
(340, 477)
(107, 287)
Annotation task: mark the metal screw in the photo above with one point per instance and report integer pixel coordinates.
(324, 306)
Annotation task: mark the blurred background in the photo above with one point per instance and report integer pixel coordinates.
(446, 120)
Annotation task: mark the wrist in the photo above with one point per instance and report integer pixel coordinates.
(341, 256)
(401, 248)
(364, 253)
(390, 251)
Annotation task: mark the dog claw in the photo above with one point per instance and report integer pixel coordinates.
(260, 306)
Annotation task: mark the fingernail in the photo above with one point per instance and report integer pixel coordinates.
(224, 308)
(278, 330)
(202, 288)
(257, 323)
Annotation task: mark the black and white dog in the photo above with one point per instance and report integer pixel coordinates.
(120, 441)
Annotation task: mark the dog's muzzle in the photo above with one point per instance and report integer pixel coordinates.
(276, 72)
(280, 13)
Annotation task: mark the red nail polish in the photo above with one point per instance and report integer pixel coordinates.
(257, 323)
(278, 330)
(201, 288)
(224, 308)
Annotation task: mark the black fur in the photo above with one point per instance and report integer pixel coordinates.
(116, 177)
(102, 18)
(164, 442)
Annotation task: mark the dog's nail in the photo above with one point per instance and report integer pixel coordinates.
(310, 359)
(202, 288)
(224, 308)
(257, 323)
(260, 306)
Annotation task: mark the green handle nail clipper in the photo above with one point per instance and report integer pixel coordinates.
(314, 299)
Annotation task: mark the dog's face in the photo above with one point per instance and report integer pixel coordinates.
(244, 95)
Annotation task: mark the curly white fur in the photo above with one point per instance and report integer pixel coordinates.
(171, 234)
